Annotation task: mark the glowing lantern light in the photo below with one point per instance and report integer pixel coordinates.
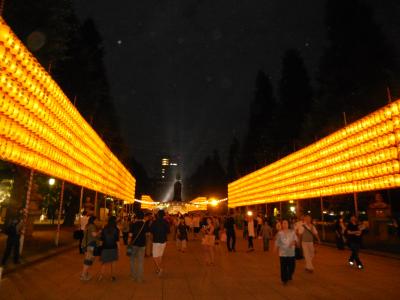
(42, 130)
(363, 156)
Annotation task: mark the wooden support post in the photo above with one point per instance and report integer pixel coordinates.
(81, 201)
(355, 204)
(96, 208)
(322, 218)
(59, 213)
(26, 211)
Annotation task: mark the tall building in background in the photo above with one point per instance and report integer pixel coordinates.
(168, 170)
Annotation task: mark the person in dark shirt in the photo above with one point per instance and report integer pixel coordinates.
(230, 233)
(109, 254)
(138, 231)
(339, 231)
(13, 231)
(159, 229)
(354, 239)
(182, 232)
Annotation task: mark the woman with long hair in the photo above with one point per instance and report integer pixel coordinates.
(110, 252)
(209, 241)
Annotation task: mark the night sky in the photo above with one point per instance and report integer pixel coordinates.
(182, 72)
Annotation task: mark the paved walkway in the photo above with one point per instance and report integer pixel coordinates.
(40, 246)
(237, 275)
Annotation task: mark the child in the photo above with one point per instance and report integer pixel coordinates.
(182, 235)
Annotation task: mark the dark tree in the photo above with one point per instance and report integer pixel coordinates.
(143, 182)
(295, 100)
(84, 77)
(51, 31)
(209, 179)
(45, 26)
(357, 67)
(233, 160)
(258, 144)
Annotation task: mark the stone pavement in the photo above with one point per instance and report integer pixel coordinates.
(237, 275)
(40, 246)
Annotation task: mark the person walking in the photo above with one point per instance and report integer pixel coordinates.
(138, 244)
(278, 225)
(259, 225)
(110, 250)
(308, 234)
(182, 233)
(217, 229)
(188, 222)
(230, 233)
(148, 218)
(340, 229)
(208, 241)
(159, 229)
(82, 226)
(299, 224)
(13, 232)
(125, 224)
(266, 234)
(196, 226)
(285, 241)
(89, 243)
(251, 233)
(354, 240)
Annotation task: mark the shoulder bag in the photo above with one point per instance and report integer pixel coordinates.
(312, 233)
(129, 249)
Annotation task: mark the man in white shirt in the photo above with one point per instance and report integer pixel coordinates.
(296, 227)
(251, 233)
(259, 224)
(308, 234)
(83, 221)
(196, 226)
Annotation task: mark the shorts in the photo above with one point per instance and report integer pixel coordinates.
(158, 249)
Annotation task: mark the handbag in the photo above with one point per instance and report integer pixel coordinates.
(129, 248)
(313, 235)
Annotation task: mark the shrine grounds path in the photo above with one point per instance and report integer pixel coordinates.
(239, 275)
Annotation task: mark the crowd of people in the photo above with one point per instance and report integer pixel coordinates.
(147, 234)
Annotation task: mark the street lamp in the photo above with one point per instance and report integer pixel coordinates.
(52, 181)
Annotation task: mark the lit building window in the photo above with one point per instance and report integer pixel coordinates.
(165, 162)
